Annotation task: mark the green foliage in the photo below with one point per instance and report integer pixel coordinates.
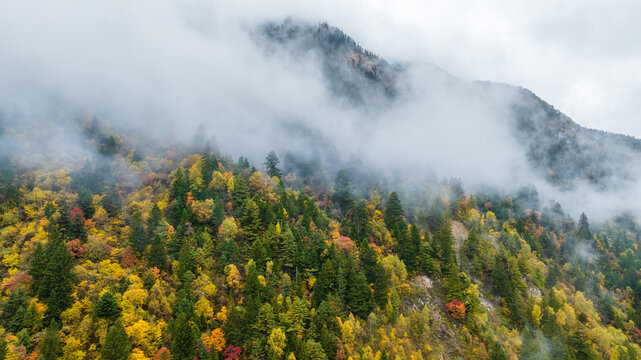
(116, 346)
(271, 163)
(51, 347)
(184, 336)
(107, 307)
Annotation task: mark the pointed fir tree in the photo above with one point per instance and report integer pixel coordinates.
(116, 346)
(51, 347)
(343, 191)
(271, 165)
(184, 336)
(240, 195)
(58, 280)
(157, 254)
(137, 237)
(250, 221)
(393, 213)
(107, 307)
(153, 221)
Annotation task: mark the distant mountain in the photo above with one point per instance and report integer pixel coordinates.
(561, 151)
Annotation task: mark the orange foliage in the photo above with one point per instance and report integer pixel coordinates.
(456, 309)
(128, 258)
(163, 354)
(215, 340)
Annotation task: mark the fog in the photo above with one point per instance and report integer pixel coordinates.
(161, 69)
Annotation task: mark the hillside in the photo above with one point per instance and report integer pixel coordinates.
(557, 149)
(117, 243)
(209, 258)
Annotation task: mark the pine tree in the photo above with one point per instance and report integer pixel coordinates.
(58, 281)
(183, 346)
(393, 213)
(287, 248)
(155, 217)
(271, 163)
(158, 253)
(180, 185)
(251, 221)
(343, 190)
(107, 307)
(359, 295)
(3, 349)
(9, 186)
(38, 265)
(85, 203)
(444, 241)
(497, 352)
(219, 213)
(360, 228)
(137, 237)
(584, 231)
(240, 195)
(51, 347)
(117, 346)
(375, 274)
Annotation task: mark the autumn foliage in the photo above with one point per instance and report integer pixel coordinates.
(456, 309)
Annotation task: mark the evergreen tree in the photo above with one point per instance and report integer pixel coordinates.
(497, 352)
(375, 274)
(183, 346)
(117, 346)
(85, 203)
(444, 241)
(153, 221)
(9, 186)
(107, 307)
(360, 228)
(219, 213)
(58, 281)
(3, 349)
(271, 163)
(240, 195)
(180, 185)
(393, 213)
(251, 221)
(158, 253)
(51, 347)
(137, 237)
(584, 231)
(287, 248)
(359, 296)
(343, 197)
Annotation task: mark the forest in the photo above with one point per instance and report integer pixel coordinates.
(184, 254)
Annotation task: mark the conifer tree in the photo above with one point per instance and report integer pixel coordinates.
(287, 248)
(240, 195)
(444, 241)
(107, 307)
(251, 221)
(393, 213)
(155, 217)
(343, 192)
(271, 164)
(183, 345)
(158, 253)
(117, 346)
(58, 281)
(51, 347)
(137, 237)
(359, 295)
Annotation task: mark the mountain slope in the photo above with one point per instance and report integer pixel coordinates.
(559, 150)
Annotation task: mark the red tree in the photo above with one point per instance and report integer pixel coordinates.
(456, 309)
